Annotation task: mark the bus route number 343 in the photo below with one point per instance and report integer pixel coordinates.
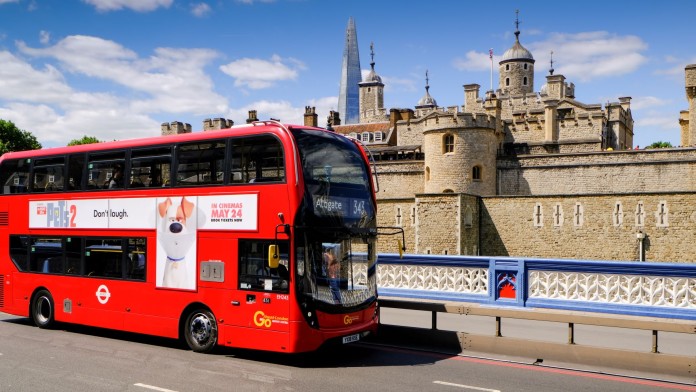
(358, 207)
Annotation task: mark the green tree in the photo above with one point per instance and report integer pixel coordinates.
(15, 139)
(85, 140)
(660, 144)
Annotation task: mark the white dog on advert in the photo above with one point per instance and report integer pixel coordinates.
(176, 238)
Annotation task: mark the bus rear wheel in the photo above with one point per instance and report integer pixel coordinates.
(42, 309)
(200, 331)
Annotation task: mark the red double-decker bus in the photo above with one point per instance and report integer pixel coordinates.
(260, 236)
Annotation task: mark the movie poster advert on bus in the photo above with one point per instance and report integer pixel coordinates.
(220, 212)
(128, 213)
(177, 225)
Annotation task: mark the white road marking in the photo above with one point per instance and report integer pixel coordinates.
(154, 388)
(465, 386)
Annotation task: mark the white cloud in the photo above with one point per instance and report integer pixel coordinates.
(44, 37)
(53, 128)
(677, 70)
(135, 5)
(251, 2)
(648, 102)
(259, 74)
(323, 106)
(475, 61)
(591, 55)
(40, 99)
(265, 110)
(200, 9)
(173, 78)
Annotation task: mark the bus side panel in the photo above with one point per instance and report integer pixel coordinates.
(7, 303)
(254, 338)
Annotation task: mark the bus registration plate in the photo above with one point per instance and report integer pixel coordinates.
(351, 338)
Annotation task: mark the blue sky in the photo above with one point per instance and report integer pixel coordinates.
(117, 69)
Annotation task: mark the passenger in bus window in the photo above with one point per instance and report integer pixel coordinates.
(155, 177)
(332, 272)
(116, 180)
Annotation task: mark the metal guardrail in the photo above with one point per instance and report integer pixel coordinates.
(665, 290)
(658, 297)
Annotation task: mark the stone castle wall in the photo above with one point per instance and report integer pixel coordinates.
(631, 171)
(446, 223)
(591, 227)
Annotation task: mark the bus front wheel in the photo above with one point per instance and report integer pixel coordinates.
(42, 309)
(200, 331)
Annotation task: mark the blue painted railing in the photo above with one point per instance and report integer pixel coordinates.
(665, 290)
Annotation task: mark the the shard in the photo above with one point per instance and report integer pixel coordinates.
(349, 95)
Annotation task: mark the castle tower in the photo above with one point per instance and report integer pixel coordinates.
(372, 94)
(427, 102)
(688, 137)
(348, 95)
(516, 69)
(460, 153)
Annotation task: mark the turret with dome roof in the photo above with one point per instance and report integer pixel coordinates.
(516, 68)
(427, 102)
(372, 94)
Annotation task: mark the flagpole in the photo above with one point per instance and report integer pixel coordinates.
(490, 54)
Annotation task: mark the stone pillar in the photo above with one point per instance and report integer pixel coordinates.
(216, 123)
(471, 95)
(494, 108)
(175, 128)
(690, 77)
(550, 122)
(310, 117)
(684, 124)
(252, 117)
(333, 120)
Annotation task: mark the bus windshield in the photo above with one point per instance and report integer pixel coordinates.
(337, 272)
(335, 241)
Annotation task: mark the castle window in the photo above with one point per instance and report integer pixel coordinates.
(507, 82)
(558, 215)
(353, 135)
(640, 214)
(525, 66)
(507, 67)
(427, 173)
(524, 81)
(378, 136)
(617, 215)
(366, 137)
(398, 216)
(578, 216)
(476, 173)
(448, 143)
(538, 215)
(662, 214)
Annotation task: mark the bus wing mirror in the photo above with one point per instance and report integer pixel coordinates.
(273, 256)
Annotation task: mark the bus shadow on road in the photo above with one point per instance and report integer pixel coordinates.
(376, 351)
(387, 349)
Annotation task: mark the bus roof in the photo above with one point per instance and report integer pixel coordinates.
(237, 130)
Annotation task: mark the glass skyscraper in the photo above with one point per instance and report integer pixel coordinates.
(349, 95)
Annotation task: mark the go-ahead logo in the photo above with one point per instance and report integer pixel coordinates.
(347, 320)
(262, 320)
